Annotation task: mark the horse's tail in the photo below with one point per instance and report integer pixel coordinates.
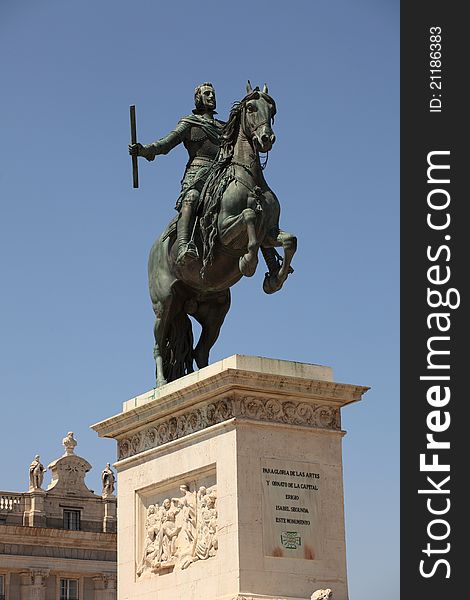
(178, 351)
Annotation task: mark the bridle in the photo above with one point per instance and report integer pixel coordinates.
(265, 122)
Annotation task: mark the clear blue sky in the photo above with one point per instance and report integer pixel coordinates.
(75, 318)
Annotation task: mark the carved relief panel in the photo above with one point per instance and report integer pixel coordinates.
(177, 524)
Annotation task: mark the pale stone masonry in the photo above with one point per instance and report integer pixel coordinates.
(59, 543)
(231, 486)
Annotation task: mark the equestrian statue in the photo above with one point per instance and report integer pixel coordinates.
(226, 214)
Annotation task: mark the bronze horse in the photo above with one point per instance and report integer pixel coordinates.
(238, 215)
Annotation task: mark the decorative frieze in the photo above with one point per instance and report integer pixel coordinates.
(176, 427)
(288, 412)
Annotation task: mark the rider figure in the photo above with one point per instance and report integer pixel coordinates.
(199, 133)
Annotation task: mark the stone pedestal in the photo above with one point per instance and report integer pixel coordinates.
(230, 484)
(109, 520)
(37, 515)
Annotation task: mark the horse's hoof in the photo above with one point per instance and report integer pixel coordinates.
(248, 267)
(161, 381)
(271, 284)
(201, 358)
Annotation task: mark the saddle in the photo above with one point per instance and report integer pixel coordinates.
(205, 227)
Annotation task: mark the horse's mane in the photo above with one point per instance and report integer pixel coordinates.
(221, 175)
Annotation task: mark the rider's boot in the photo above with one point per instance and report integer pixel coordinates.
(187, 250)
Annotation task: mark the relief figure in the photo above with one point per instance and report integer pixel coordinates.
(180, 531)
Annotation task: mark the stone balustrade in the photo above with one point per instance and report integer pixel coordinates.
(11, 502)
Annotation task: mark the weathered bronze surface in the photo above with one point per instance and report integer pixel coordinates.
(227, 212)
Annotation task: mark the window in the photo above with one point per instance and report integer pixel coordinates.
(2, 587)
(72, 520)
(69, 589)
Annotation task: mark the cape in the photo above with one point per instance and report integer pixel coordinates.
(211, 128)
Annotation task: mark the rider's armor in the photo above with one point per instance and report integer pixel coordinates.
(200, 137)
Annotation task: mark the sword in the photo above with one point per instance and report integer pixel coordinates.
(135, 171)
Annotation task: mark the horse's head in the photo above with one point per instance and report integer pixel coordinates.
(258, 110)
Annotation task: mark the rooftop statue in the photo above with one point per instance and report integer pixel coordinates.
(36, 473)
(108, 480)
(226, 214)
(69, 443)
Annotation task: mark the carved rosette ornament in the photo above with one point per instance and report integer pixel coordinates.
(180, 531)
(289, 412)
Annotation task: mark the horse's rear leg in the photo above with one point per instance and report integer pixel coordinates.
(160, 331)
(210, 315)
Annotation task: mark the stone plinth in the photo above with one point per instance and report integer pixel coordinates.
(230, 484)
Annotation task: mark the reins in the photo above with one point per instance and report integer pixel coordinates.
(265, 122)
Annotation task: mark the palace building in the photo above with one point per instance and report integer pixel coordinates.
(59, 543)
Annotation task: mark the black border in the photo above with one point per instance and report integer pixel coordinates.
(422, 132)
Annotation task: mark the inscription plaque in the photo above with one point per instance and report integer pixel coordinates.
(291, 509)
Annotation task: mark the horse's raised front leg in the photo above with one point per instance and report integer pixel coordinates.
(249, 261)
(232, 227)
(278, 269)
